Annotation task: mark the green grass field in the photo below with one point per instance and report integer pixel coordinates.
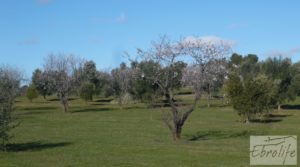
(100, 134)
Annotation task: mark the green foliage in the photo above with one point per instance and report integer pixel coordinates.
(284, 76)
(249, 67)
(143, 87)
(236, 59)
(89, 71)
(9, 87)
(43, 82)
(32, 92)
(252, 97)
(251, 93)
(175, 74)
(87, 91)
(295, 84)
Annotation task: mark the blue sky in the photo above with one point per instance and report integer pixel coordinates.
(103, 30)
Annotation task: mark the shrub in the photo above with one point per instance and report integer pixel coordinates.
(87, 91)
(32, 93)
(251, 97)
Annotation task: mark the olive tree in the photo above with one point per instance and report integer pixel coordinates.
(252, 92)
(9, 86)
(251, 97)
(197, 53)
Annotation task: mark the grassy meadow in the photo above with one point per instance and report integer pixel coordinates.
(99, 133)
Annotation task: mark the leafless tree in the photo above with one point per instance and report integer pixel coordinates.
(64, 69)
(199, 54)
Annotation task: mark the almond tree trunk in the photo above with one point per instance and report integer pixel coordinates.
(64, 101)
(177, 133)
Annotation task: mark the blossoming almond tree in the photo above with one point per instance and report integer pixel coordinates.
(205, 57)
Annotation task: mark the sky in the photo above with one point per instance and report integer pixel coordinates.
(102, 30)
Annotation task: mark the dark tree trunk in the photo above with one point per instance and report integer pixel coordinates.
(177, 133)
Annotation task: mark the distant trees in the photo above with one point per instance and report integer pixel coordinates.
(100, 80)
(32, 92)
(295, 85)
(256, 87)
(9, 86)
(196, 55)
(281, 71)
(66, 74)
(142, 88)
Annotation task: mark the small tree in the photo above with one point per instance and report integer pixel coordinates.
(250, 97)
(9, 86)
(32, 92)
(87, 91)
(251, 92)
(62, 69)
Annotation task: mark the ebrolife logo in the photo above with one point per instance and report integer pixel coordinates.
(273, 150)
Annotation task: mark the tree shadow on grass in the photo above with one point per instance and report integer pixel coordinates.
(217, 134)
(163, 105)
(34, 146)
(56, 99)
(277, 115)
(42, 102)
(35, 110)
(266, 120)
(104, 100)
(98, 104)
(91, 110)
(270, 118)
(291, 107)
(38, 108)
(133, 107)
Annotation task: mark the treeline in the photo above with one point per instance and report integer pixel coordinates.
(277, 77)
